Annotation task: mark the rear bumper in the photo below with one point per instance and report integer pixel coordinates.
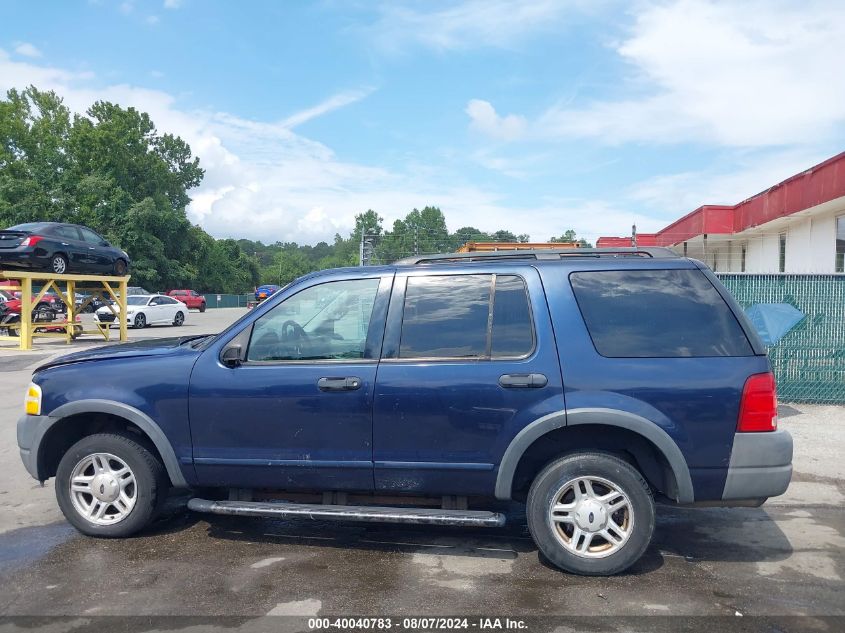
(21, 259)
(760, 466)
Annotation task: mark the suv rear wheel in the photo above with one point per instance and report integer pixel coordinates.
(591, 514)
(110, 485)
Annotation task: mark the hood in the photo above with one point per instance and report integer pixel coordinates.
(150, 347)
(14, 305)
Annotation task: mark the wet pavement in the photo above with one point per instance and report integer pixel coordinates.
(784, 559)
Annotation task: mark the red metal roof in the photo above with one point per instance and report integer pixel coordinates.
(817, 185)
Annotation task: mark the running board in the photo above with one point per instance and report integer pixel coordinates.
(373, 514)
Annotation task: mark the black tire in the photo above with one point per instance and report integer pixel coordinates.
(140, 321)
(550, 537)
(179, 319)
(59, 264)
(120, 268)
(202, 307)
(150, 481)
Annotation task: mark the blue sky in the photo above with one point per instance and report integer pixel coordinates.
(533, 116)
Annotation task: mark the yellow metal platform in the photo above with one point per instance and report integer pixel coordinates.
(98, 285)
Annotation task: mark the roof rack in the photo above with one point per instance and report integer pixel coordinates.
(539, 254)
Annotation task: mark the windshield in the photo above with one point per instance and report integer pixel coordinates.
(137, 301)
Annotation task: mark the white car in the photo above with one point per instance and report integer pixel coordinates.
(144, 310)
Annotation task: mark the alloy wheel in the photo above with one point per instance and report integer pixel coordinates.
(103, 489)
(591, 517)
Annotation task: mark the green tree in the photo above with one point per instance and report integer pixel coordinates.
(111, 170)
(570, 236)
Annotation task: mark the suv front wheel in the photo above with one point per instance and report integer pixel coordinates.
(110, 485)
(591, 514)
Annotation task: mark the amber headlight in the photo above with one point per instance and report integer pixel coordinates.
(32, 402)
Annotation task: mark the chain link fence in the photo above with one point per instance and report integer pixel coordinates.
(809, 361)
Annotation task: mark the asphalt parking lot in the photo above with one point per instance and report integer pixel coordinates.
(784, 559)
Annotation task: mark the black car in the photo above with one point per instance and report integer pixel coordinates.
(60, 248)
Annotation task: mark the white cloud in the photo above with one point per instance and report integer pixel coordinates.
(172, 4)
(730, 181)
(264, 181)
(471, 23)
(152, 20)
(485, 119)
(27, 50)
(334, 102)
(747, 74)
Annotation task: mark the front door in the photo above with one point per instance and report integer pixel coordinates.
(97, 258)
(297, 413)
(469, 360)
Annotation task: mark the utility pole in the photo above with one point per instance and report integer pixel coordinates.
(365, 248)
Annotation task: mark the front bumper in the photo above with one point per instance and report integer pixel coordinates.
(760, 466)
(31, 429)
(110, 319)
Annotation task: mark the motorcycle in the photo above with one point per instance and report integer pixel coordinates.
(10, 321)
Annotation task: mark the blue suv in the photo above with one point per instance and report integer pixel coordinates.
(585, 384)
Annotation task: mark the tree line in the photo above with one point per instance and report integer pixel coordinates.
(111, 170)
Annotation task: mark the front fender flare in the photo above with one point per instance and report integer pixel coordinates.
(596, 416)
(131, 414)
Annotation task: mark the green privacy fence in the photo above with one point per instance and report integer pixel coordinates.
(227, 301)
(809, 361)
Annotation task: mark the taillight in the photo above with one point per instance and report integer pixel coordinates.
(32, 240)
(758, 410)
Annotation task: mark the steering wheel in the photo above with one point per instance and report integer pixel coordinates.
(293, 331)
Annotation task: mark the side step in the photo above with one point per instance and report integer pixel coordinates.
(373, 514)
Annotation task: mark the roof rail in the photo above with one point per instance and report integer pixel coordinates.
(539, 254)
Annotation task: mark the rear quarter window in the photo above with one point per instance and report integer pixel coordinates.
(657, 314)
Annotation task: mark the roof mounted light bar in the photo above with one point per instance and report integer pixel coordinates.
(539, 254)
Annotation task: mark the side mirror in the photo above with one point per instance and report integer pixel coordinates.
(231, 356)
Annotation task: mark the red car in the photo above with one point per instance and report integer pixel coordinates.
(190, 298)
(11, 295)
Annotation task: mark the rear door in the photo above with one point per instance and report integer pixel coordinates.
(169, 308)
(469, 359)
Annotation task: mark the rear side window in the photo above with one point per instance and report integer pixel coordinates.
(67, 232)
(657, 314)
(452, 316)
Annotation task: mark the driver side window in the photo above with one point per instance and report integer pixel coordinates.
(325, 322)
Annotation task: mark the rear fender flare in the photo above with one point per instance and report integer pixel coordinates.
(596, 416)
